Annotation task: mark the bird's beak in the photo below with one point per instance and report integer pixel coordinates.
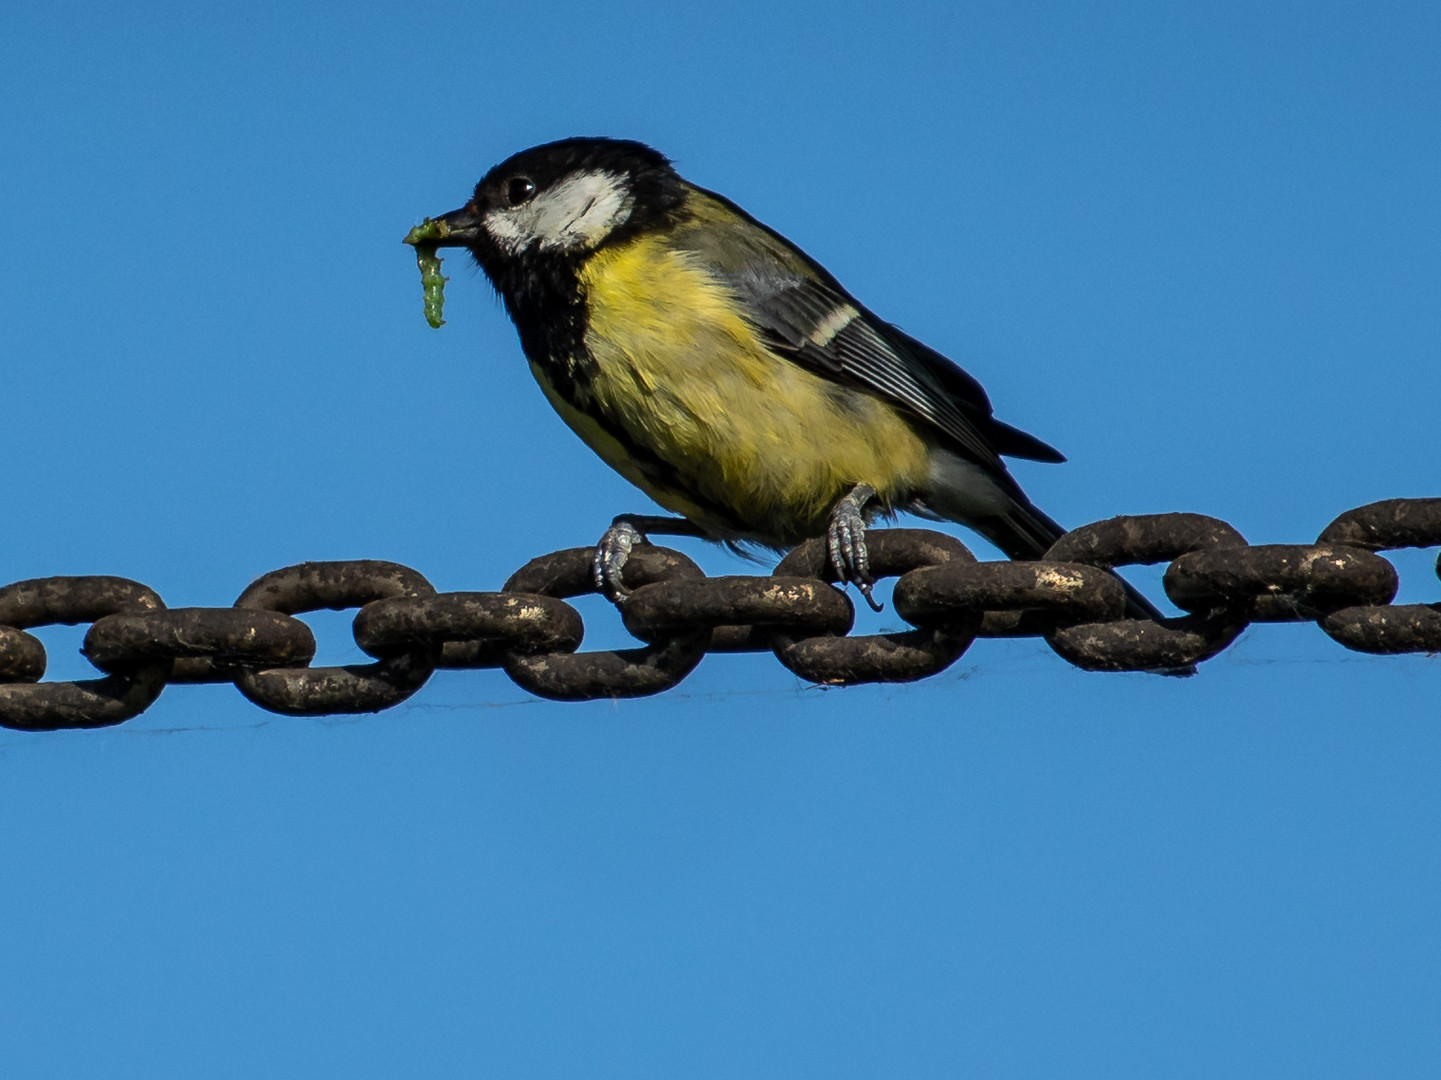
(459, 228)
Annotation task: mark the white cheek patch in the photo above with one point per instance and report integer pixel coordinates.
(577, 212)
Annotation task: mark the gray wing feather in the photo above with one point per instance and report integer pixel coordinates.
(793, 317)
(808, 317)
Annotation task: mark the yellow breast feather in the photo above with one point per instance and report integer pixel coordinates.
(683, 375)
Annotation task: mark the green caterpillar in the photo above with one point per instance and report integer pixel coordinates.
(432, 281)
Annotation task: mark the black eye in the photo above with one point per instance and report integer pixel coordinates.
(518, 189)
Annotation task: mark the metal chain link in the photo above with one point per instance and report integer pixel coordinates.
(679, 615)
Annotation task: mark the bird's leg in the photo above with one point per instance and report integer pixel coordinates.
(625, 532)
(846, 541)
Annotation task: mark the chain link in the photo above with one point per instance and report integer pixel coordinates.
(894, 657)
(301, 690)
(1175, 645)
(70, 601)
(566, 675)
(949, 599)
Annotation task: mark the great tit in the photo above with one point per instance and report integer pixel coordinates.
(725, 372)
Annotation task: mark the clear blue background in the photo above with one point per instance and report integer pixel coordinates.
(1198, 249)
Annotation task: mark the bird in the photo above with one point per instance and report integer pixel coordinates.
(726, 373)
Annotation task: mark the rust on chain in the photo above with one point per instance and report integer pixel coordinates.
(1051, 593)
(299, 690)
(88, 703)
(471, 629)
(803, 606)
(1173, 646)
(1288, 582)
(1387, 628)
(208, 644)
(1387, 526)
(1070, 597)
(22, 656)
(897, 656)
(565, 675)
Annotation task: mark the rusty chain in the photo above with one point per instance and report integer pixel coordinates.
(1069, 598)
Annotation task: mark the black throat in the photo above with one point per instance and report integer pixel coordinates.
(542, 294)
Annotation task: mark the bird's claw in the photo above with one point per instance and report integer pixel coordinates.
(610, 559)
(846, 543)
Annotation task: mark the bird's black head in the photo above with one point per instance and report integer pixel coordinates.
(560, 201)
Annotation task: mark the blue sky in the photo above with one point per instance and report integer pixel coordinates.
(1198, 250)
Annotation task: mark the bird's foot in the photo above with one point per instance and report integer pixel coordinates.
(625, 532)
(610, 559)
(846, 542)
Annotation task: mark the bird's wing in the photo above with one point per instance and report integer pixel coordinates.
(807, 317)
